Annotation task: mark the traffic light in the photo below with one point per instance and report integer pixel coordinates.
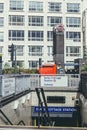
(11, 50)
(0, 58)
(40, 62)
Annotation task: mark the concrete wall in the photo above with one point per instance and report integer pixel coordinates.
(17, 110)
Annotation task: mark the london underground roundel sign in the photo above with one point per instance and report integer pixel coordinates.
(60, 28)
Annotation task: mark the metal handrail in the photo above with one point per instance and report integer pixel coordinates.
(6, 117)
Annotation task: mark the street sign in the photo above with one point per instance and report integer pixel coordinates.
(71, 64)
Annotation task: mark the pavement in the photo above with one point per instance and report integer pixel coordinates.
(41, 128)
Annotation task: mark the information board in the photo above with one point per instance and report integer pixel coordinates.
(54, 81)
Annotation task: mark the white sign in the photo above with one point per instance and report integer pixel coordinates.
(54, 81)
(8, 86)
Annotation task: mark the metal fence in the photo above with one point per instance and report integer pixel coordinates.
(14, 84)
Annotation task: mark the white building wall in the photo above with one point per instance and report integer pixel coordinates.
(84, 29)
(45, 58)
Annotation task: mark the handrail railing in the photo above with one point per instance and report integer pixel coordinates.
(21, 122)
(6, 117)
(9, 119)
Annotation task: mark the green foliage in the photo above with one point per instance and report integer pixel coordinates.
(8, 71)
(84, 68)
(18, 71)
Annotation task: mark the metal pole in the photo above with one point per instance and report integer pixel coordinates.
(15, 60)
(39, 110)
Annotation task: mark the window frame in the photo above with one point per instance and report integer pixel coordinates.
(17, 35)
(35, 35)
(35, 50)
(16, 5)
(13, 20)
(35, 6)
(73, 7)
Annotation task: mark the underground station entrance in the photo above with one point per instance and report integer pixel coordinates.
(60, 119)
(54, 115)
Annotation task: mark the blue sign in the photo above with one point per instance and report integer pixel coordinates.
(71, 64)
(56, 109)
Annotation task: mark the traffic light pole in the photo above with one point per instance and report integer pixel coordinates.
(15, 60)
(12, 50)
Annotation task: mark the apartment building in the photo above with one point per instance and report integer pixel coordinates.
(28, 24)
(84, 29)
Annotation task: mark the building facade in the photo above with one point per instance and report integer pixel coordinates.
(28, 24)
(84, 29)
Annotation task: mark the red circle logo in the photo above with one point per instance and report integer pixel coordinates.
(60, 28)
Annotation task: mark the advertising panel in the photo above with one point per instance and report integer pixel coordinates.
(8, 86)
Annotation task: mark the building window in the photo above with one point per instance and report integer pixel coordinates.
(16, 5)
(56, 99)
(1, 7)
(35, 50)
(52, 20)
(54, 7)
(1, 48)
(35, 35)
(20, 64)
(73, 51)
(1, 21)
(16, 35)
(16, 20)
(33, 64)
(49, 36)
(73, 7)
(73, 22)
(35, 20)
(19, 50)
(35, 6)
(1, 36)
(75, 36)
(50, 50)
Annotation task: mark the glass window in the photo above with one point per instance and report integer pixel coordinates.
(73, 7)
(20, 64)
(35, 35)
(16, 5)
(35, 6)
(16, 35)
(33, 64)
(75, 36)
(16, 20)
(19, 50)
(54, 7)
(35, 20)
(73, 51)
(49, 36)
(1, 49)
(50, 50)
(52, 20)
(1, 21)
(35, 50)
(56, 99)
(73, 22)
(1, 7)
(1, 36)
